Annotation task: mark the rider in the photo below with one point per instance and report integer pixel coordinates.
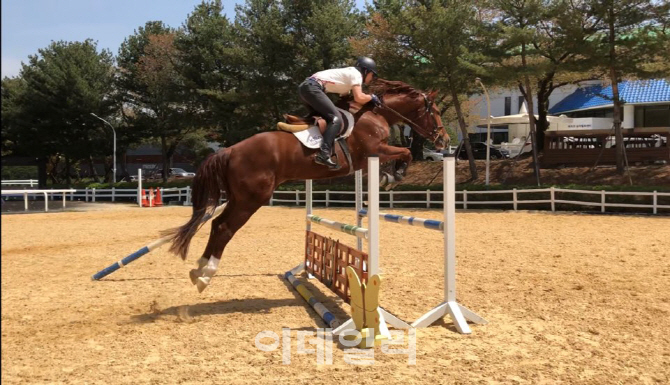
(339, 80)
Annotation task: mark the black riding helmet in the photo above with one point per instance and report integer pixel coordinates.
(365, 65)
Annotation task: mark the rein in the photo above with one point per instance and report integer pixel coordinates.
(434, 134)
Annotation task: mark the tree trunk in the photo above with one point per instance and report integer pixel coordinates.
(417, 146)
(67, 171)
(543, 92)
(42, 173)
(52, 169)
(94, 172)
(164, 158)
(124, 166)
(531, 115)
(109, 171)
(170, 155)
(464, 131)
(614, 78)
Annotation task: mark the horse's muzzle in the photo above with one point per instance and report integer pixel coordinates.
(442, 142)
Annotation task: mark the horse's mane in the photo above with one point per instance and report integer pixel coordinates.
(382, 87)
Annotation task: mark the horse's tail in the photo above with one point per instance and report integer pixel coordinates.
(208, 183)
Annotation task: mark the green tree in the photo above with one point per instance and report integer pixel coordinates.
(50, 111)
(12, 90)
(559, 36)
(210, 64)
(153, 90)
(245, 73)
(517, 23)
(438, 44)
(631, 45)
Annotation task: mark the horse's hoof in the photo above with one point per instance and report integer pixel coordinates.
(398, 176)
(194, 274)
(202, 283)
(386, 179)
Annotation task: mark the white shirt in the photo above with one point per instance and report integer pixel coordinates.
(340, 80)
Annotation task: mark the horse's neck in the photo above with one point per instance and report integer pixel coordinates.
(399, 105)
(397, 108)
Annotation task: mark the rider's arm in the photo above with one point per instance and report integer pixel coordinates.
(359, 96)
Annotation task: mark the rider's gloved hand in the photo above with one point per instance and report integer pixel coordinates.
(375, 100)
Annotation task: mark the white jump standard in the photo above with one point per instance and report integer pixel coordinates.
(458, 313)
(371, 234)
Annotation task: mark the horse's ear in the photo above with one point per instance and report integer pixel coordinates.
(432, 94)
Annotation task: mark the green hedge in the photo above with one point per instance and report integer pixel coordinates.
(19, 172)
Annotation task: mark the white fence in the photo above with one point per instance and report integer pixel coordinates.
(389, 198)
(20, 182)
(467, 199)
(46, 193)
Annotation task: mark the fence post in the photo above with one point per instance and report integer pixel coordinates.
(655, 201)
(465, 199)
(64, 195)
(46, 202)
(391, 199)
(25, 201)
(428, 198)
(113, 193)
(297, 198)
(86, 194)
(602, 201)
(139, 187)
(514, 197)
(327, 198)
(188, 195)
(552, 195)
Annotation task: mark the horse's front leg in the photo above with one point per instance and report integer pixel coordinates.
(401, 155)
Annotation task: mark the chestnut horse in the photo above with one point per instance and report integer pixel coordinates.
(251, 170)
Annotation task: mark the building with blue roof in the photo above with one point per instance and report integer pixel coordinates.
(581, 129)
(646, 103)
(584, 133)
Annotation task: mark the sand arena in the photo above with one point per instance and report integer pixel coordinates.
(569, 298)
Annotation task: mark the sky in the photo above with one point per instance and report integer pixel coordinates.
(28, 25)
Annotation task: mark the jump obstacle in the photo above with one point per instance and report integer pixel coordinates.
(147, 249)
(327, 260)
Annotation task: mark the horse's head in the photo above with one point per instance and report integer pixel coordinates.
(415, 108)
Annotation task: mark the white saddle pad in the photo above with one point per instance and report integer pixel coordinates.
(312, 138)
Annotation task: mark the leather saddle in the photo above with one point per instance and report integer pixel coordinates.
(296, 123)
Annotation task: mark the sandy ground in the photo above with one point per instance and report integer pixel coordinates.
(569, 299)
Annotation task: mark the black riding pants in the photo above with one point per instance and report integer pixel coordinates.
(314, 95)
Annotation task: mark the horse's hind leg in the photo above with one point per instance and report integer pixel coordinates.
(224, 228)
(194, 274)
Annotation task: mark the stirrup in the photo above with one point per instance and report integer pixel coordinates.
(326, 162)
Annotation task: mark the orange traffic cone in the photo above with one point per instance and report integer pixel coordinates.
(145, 203)
(159, 199)
(151, 197)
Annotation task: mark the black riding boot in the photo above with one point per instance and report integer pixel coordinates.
(323, 157)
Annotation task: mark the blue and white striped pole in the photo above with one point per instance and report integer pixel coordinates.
(412, 221)
(321, 310)
(146, 249)
(343, 227)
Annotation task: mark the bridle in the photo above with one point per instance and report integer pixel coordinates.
(429, 109)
